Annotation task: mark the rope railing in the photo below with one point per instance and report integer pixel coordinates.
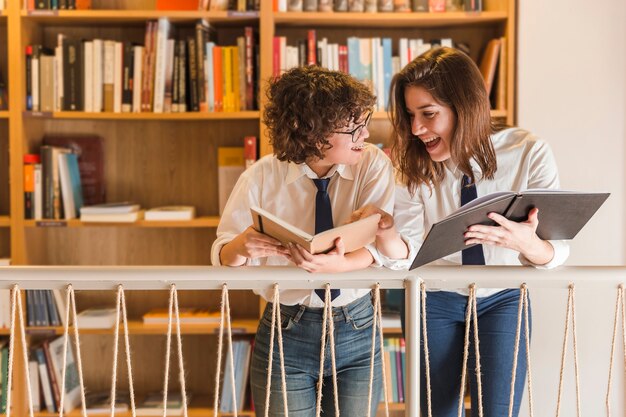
(270, 278)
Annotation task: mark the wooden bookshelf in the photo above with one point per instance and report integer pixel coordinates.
(69, 115)
(386, 20)
(166, 159)
(200, 222)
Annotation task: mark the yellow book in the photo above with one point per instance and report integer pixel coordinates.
(234, 51)
(230, 165)
(227, 61)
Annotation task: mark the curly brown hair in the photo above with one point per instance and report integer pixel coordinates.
(306, 105)
(454, 80)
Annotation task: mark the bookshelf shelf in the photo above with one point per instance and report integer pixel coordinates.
(200, 222)
(383, 115)
(382, 20)
(4, 114)
(134, 16)
(135, 327)
(5, 221)
(69, 115)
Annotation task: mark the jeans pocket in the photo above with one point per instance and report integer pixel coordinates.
(286, 322)
(363, 319)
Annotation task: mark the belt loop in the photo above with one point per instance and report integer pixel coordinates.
(299, 314)
(346, 313)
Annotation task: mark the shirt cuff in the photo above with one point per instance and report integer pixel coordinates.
(561, 253)
(217, 248)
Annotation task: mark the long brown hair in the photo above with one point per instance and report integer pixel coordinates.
(454, 80)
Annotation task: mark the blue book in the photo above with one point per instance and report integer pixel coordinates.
(387, 69)
(77, 189)
(354, 66)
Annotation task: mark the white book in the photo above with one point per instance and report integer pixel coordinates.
(34, 75)
(380, 75)
(58, 78)
(169, 75)
(96, 87)
(45, 379)
(117, 77)
(112, 218)
(5, 302)
(137, 81)
(121, 207)
(108, 75)
(33, 370)
(403, 53)
(374, 42)
(38, 197)
(283, 54)
(59, 301)
(210, 95)
(88, 76)
(160, 63)
(97, 318)
(171, 213)
(72, 387)
(67, 192)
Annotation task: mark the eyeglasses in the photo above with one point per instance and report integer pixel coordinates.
(356, 133)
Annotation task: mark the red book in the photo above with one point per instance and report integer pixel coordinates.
(177, 5)
(249, 43)
(250, 150)
(311, 48)
(276, 57)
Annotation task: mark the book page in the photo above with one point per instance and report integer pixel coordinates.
(489, 198)
(278, 221)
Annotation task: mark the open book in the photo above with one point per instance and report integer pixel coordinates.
(355, 235)
(561, 216)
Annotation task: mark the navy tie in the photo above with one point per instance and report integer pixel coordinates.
(323, 220)
(473, 255)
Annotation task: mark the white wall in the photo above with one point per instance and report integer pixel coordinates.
(572, 92)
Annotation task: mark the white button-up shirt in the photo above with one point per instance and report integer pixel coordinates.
(287, 191)
(524, 162)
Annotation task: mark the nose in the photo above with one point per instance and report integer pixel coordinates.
(417, 128)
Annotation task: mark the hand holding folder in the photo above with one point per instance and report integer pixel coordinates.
(562, 214)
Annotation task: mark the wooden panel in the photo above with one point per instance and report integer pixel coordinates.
(5, 243)
(118, 246)
(4, 169)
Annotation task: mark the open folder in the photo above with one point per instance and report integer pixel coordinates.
(561, 216)
(355, 235)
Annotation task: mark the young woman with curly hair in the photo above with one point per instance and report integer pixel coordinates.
(317, 123)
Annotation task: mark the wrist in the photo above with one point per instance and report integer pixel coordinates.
(539, 252)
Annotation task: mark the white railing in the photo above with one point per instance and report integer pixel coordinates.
(255, 278)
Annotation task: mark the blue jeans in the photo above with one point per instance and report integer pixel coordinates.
(302, 331)
(497, 324)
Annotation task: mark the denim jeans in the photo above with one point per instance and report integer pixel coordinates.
(497, 324)
(302, 331)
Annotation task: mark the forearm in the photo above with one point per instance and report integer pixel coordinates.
(392, 246)
(539, 253)
(353, 261)
(229, 255)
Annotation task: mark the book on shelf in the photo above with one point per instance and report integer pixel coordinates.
(4, 375)
(113, 218)
(43, 308)
(250, 150)
(230, 165)
(188, 315)
(170, 213)
(33, 369)
(97, 318)
(152, 404)
(72, 388)
(489, 63)
(119, 207)
(241, 359)
(562, 214)
(354, 235)
(99, 402)
(89, 151)
(44, 377)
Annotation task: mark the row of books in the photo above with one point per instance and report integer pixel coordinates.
(4, 374)
(129, 212)
(164, 75)
(45, 308)
(373, 6)
(213, 5)
(368, 59)
(395, 365)
(57, 4)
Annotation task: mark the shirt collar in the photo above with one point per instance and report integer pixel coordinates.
(295, 171)
(453, 167)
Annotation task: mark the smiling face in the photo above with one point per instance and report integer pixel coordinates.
(432, 122)
(342, 150)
